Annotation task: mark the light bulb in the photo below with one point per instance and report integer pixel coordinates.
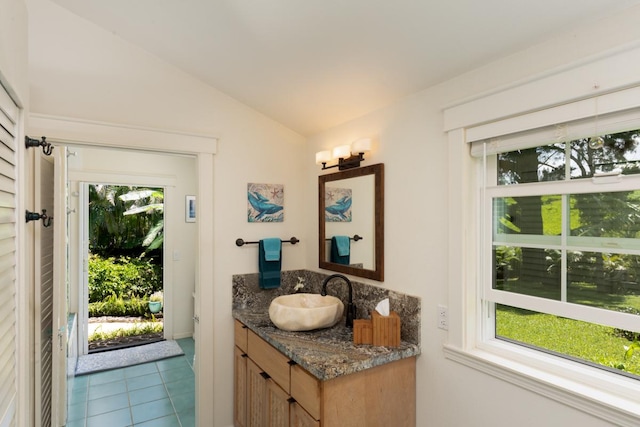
(323, 157)
(596, 142)
(341, 151)
(362, 145)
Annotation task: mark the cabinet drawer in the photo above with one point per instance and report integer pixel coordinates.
(300, 418)
(305, 389)
(240, 335)
(274, 363)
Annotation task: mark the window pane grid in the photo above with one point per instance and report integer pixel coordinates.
(565, 244)
(615, 319)
(592, 185)
(578, 348)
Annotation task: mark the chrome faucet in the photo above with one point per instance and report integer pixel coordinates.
(351, 308)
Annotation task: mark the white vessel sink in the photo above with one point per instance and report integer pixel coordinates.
(305, 312)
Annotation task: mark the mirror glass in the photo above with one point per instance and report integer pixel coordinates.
(351, 218)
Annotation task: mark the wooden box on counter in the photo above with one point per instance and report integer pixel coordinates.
(362, 331)
(379, 330)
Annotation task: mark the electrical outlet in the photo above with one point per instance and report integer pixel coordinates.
(443, 317)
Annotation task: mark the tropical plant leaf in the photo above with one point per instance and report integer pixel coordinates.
(153, 235)
(157, 243)
(141, 194)
(147, 208)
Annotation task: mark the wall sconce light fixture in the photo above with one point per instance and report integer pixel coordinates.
(349, 156)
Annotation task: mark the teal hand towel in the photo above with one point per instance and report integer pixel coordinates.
(335, 256)
(272, 249)
(343, 243)
(269, 271)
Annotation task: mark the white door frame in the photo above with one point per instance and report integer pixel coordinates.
(80, 132)
(60, 290)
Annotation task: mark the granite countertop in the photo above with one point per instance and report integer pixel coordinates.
(325, 353)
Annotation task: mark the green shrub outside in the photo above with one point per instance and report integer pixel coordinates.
(114, 305)
(123, 276)
(138, 329)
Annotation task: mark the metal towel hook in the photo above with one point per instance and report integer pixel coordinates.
(34, 216)
(47, 148)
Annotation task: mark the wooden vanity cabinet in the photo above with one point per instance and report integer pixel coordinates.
(261, 382)
(272, 391)
(240, 395)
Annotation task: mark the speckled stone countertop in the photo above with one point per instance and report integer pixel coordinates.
(325, 353)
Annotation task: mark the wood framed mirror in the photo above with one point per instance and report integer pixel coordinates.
(351, 205)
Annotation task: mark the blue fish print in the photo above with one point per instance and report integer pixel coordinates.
(340, 207)
(261, 205)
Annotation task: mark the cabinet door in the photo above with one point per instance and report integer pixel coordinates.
(240, 388)
(300, 417)
(256, 389)
(305, 389)
(277, 405)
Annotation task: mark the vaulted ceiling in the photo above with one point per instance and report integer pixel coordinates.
(313, 64)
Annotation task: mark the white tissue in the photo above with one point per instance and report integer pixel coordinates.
(383, 307)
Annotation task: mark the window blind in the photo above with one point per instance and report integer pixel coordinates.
(560, 132)
(8, 344)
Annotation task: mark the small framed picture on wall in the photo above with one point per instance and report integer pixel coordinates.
(190, 209)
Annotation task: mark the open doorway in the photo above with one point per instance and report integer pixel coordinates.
(125, 286)
(121, 173)
(188, 259)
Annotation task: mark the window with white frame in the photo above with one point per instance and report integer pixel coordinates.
(560, 268)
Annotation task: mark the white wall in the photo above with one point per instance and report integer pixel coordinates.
(13, 49)
(410, 141)
(78, 70)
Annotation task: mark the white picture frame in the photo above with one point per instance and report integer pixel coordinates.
(190, 209)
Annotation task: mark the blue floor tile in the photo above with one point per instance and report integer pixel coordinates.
(109, 389)
(180, 387)
(155, 394)
(139, 370)
(77, 411)
(75, 423)
(172, 363)
(152, 410)
(120, 418)
(107, 404)
(184, 402)
(106, 377)
(168, 421)
(144, 395)
(187, 418)
(179, 374)
(144, 381)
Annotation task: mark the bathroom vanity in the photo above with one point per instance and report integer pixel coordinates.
(318, 378)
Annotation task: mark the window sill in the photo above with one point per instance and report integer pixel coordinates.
(608, 396)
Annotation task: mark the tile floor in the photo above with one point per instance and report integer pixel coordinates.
(155, 394)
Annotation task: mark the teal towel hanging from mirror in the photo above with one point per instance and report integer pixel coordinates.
(341, 250)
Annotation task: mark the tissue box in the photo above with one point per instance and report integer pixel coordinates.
(386, 329)
(362, 331)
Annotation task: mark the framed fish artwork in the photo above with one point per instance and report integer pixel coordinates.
(337, 202)
(265, 202)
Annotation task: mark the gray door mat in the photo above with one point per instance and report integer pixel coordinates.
(104, 361)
